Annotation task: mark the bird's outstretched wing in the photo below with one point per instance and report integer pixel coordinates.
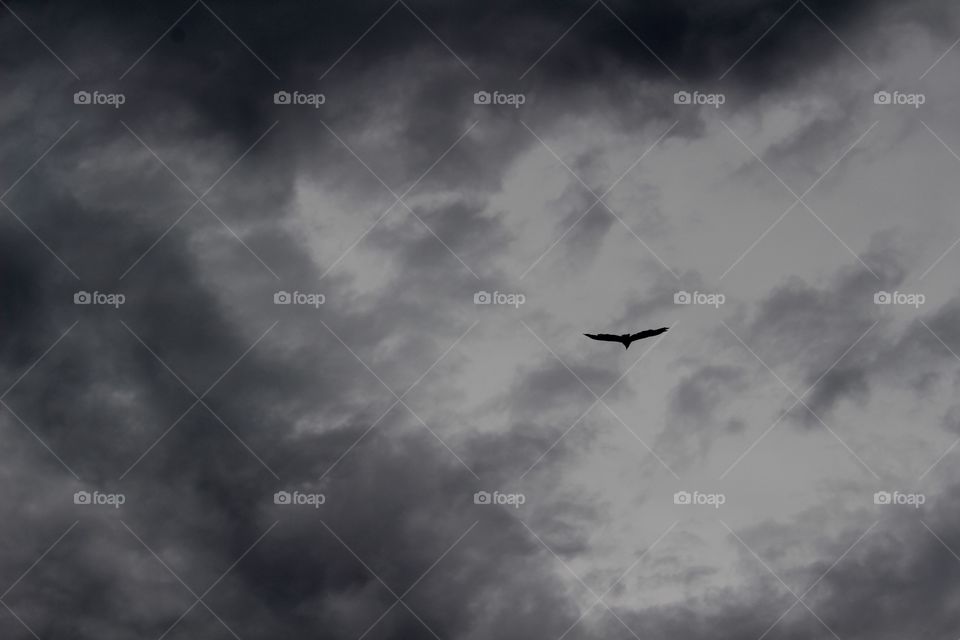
(647, 334)
(608, 337)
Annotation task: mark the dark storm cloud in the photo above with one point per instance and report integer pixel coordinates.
(200, 499)
(870, 581)
(200, 69)
(299, 399)
(901, 555)
(821, 334)
(801, 330)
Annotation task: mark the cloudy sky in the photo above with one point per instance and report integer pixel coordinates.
(292, 298)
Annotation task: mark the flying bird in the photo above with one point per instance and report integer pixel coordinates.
(626, 338)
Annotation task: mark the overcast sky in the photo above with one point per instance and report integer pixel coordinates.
(293, 295)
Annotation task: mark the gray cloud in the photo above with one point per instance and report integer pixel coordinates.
(288, 401)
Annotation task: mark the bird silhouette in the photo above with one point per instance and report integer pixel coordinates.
(626, 338)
